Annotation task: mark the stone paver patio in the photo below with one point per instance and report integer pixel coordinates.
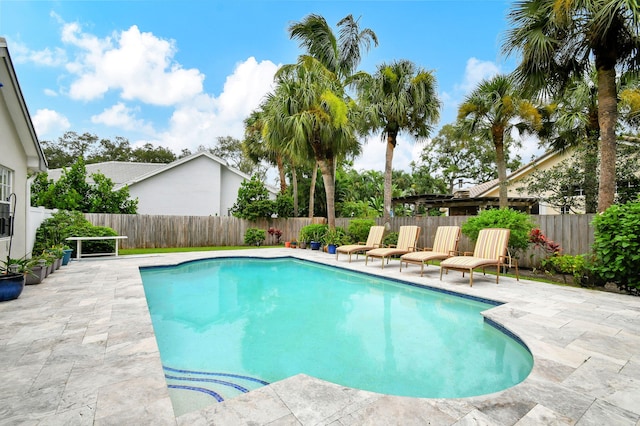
(80, 349)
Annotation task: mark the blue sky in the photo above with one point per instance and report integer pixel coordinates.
(181, 73)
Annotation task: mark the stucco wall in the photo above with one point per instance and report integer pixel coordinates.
(191, 188)
(13, 157)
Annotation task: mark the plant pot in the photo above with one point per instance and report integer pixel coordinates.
(37, 274)
(303, 245)
(287, 244)
(11, 286)
(67, 256)
(315, 245)
(294, 245)
(57, 263)
(332, 248)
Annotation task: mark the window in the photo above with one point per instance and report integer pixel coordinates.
(6, 181)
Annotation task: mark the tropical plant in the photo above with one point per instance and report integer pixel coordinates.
(313, 232)
(312, 109)
(559, 40)
(491, 111)
(399, 97)
(335, 236)
(519, 223)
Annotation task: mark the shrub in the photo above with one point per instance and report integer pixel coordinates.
(314, 232)
(253, 201)
(335, 236)
(519, 223)
(358, 229)
(567, 264)
(617, 245)
(390, 239)
(254, 236)
(283, 205)
(63, 224)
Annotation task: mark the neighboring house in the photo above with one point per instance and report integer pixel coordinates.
(201, 184)
(517, 184)
(20, 154)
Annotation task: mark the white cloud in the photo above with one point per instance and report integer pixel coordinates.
(122, 117)
(138, 64)
(48, 122)
(203, 118)
(374, 152)
(476, 71)
(45, 57)
(50, 92)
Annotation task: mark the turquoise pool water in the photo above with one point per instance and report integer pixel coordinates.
(226, 326)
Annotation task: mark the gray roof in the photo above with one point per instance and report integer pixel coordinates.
(118, 171)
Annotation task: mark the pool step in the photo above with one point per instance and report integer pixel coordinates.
(219, 386)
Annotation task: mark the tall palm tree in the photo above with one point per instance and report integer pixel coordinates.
(399, 97)
(308, 115)
(558, 39)
(339, 56)
(492, 110)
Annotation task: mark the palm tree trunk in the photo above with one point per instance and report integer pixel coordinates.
(326, 167)
(607, 117)
(312, 189)
(388, 169)
(498, 141)
(294, 183)
(283, 179)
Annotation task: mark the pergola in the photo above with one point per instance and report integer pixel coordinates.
(465, 206)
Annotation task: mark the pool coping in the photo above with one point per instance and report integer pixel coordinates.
(72, 344)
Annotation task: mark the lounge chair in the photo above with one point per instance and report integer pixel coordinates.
(445, 245)
(407, 238)
(490, 250)
(374, 240)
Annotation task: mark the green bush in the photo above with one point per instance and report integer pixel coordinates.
(314, 232)
(254, 236)
(519, 223)
(63, 224)
(358, 229)
(284, 205)
(335, 236)
(617, 245)
(567, 264)
(390, 239)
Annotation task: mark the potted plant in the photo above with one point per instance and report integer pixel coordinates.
(67, 255)
(314, 233)
(11, 279)
(294, 244)
(332, 238)
(37, 271)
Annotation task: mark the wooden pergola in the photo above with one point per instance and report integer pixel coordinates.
(465, 206)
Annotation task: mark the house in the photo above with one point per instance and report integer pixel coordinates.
(20, 155)
(517, 180)
(200, 184)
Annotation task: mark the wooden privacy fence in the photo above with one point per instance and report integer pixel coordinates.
(574, 233)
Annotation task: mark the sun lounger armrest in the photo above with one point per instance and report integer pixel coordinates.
(468, 253)
(454, 253)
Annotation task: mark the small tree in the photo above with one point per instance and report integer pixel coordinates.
(253, 201)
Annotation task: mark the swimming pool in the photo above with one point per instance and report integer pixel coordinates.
(228, 325)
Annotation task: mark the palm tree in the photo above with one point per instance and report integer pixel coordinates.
(399, 97)
(339, 56)
(492, 110)
(308, 115)
(559, 39)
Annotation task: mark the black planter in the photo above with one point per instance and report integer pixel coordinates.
(11, 286)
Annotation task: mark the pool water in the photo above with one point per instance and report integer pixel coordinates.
(226, 326)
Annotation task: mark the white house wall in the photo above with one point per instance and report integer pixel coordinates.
(231, 183)
(192, 188)
(13, 157)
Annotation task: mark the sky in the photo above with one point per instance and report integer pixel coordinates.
(180, 74)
